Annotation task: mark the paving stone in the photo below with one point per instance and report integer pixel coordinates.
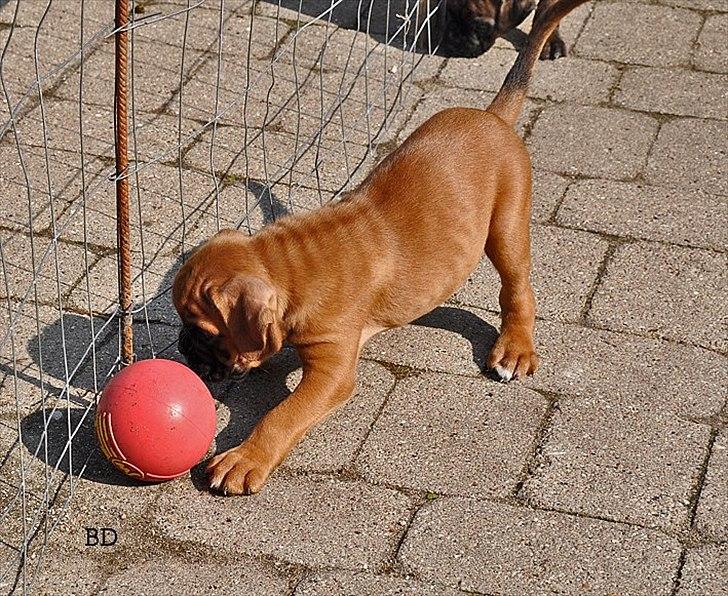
(674, 91)
(30, 199)
(626, 32)
(251, 206)
(591, 141)
(161, 210)
(355, 111)
(102, 281)
(19, 66)
(266, 159)
(646, 212)
(329, 446)
(20, 273)
(452, 435)
(315, 522)
(574, 80)
(343, 49)
(30, 14)
(548, 190)
(712, 514)
(62, 572)
(717, 5)
(155, 79)
(447, 97)
(705, 572)
(617, 368)
(495, 548)
(618, 385)
(615, 462)
(102, 499)
(690, 154)
(107, 499)
(711, 53)
(203, 27)
(177, 576)
(665, 291)
(57, 125)
(247, 93)
(554, 251)
(22, 396)
(630, 372)
(314, 11)
(76, 329)
(449, 339)
(18, 515)
(341, 583)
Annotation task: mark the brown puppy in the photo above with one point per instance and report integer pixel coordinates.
(396, 247)
(470, 27)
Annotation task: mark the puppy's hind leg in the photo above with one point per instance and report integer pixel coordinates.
(508, 247)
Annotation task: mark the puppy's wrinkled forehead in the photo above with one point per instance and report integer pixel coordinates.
(197, 289)
(190, 296)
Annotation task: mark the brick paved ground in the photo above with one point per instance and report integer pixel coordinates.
(606, 473)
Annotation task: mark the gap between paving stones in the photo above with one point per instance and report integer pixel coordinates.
(689, 540)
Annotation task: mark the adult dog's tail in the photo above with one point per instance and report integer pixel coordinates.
(508, 104)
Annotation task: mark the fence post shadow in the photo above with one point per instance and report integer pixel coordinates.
(77, 453)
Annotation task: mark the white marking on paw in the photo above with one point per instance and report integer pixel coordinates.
(503, 373)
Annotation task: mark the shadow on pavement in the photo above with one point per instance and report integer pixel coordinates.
(480, 334)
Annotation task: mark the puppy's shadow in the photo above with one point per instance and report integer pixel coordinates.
(480, 334)
(265, 387)
(248, 401)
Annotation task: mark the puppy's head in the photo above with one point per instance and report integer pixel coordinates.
(470, 27)
(230, 318)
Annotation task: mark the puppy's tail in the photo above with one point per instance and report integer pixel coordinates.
(508, 104)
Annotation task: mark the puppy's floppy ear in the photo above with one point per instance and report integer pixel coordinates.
(248, 306)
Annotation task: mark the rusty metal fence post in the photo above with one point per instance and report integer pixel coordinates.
(123, 232)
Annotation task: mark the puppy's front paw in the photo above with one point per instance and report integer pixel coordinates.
(554, 48)
(513, 356)
(242, 470)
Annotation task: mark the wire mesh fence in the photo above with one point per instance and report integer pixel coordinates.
(239, 113)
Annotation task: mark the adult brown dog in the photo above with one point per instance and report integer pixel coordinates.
(396, 247)
(470, 27)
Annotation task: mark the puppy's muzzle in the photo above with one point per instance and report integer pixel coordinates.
(201, 354)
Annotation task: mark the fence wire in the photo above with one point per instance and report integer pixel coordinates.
(240, 113)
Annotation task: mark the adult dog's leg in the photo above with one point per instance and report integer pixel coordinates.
(508, 247)
(329, 375)
(555, 47)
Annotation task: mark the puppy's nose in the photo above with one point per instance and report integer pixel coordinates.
(201, 369)
(217, 375)
(236, 375)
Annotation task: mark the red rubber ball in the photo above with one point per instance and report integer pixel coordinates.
(155, 420)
